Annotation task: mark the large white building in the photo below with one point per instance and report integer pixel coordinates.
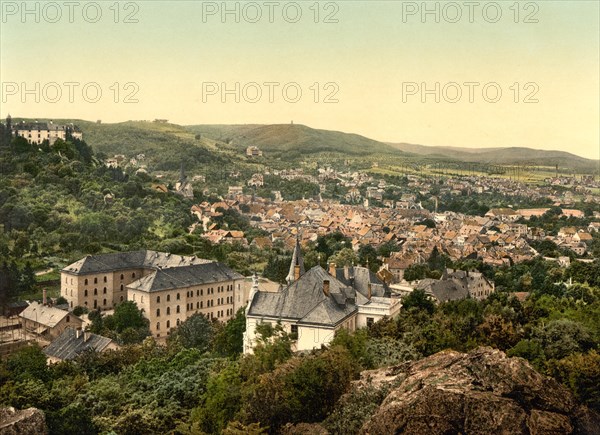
(317, 303)
(37, 132)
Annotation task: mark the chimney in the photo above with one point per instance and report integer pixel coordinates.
(86, 336)
(45, 297)
(326, 287)
(332, 269)
(296, 272)
(369, 291)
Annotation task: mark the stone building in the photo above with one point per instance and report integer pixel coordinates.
(167, 288)
(37, 132)
(317, 303)
(458, 284)
(47, 322)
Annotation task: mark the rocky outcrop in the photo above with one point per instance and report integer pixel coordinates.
(28, 421)
(303, 429)
(482, 392)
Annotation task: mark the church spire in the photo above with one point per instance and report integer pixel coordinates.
(297, 264)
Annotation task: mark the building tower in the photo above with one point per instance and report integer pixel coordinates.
(297, 264)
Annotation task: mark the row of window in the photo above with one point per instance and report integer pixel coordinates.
(85, 292)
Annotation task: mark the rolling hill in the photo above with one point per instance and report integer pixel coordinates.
(501, 156)
(292, 140)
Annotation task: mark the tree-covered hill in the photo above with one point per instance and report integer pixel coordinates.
(293, 140)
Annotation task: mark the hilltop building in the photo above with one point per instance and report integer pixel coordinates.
(253, 151)
(317, 303)
(167, 288)
(37, 132)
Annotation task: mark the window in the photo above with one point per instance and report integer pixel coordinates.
(95, 291)
(197, 305)
(168, 310)
(122, 277)
(95, 303)
(105, 280)
(85, 281)
(168, 324)
(201, 304)
(197, 292)
(122, 288)
(370, 321)
(133, 275)
(121, 298)
(158, 326)
(177, 308)
(178, 298)
(85, 293)
(68, 319)
(201, 292)
(178, 322)
(95, 280)
(104, 302)
(158, 312)
(104, 291)
(158, 299)
(168, 298)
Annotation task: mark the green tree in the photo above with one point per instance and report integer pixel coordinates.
(196, 332)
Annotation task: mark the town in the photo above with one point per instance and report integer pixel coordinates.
(267, 255)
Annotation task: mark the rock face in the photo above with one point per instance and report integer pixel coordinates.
(28, 421)
(482, 392)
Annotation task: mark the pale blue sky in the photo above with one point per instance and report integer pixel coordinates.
(368, 54)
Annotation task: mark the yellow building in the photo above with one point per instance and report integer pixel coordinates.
(167, 288)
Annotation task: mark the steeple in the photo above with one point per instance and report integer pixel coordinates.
(297, 264)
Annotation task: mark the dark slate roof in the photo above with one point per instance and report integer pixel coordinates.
(184, 276)
(305, 301)
(67, 346)
(105, 263)
(359, 277)
(444, 290)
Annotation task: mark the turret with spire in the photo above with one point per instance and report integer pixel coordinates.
(297, 264)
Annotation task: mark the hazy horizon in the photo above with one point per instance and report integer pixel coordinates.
(381, 66)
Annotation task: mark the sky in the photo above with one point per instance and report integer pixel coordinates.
(469, 74)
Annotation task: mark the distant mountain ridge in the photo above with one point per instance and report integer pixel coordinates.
(500, 156)
(292, 141)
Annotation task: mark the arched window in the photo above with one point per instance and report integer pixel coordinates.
(158, 326)
(104, 291)
(71, 292)
(201, 304)
(68, 319)
(122, 277)
(178, 297)
(85, 303)
(158, 312)
(168, 324)
(168, 298)
(122, 288)
(95, 303)
(95, 291)
(121, 298)
(158, 299)
(95, 280)
(85, 293)
(177, 308)
(104, 302)
(85, 281)
(168, 310)
(105, 280)
(178, 322)
(133, 275)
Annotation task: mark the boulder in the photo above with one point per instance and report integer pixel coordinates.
(27, 421)
(480, 392)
